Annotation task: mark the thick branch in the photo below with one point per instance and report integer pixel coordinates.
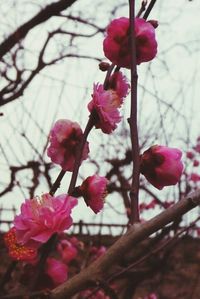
(49, 11)
(137, 233)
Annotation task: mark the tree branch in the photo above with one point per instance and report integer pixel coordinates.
(46, 13)
(134, 193)
(137, 233)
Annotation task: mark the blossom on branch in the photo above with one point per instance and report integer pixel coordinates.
(117, 46)
(56, 270)
(65, 137)
(105, 103)
(162, 165)
(19, 252)
(94, 191)
(67, 251)
(41, 217)
(94, 295)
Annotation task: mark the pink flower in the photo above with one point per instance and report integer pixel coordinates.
(19, 252)
(168, 204)
(197, 146)
(96, 252)
(119, 83)
(152, 204)
(56, 270)
(116, 45)
(194, 177)
(195, 163)
(93, 190)
(190, 155)
(67, 251)
(162, 166)
(107, 102)
(151, 296)
(65, 138)
(98, 295)
(41, 217)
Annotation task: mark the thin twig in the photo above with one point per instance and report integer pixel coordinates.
(142, 8)
(149, 8)
(57, 182)
(79, 152)
(106, 81)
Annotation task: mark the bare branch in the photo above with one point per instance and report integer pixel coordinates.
(49, 11)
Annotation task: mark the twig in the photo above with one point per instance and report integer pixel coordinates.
(133, 121)
(50, 10)
(79, 152)
(149, 8)
(57, 182)
(142, 8)
(106, 81)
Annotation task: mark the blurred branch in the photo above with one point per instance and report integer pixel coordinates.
(99, 269)
(46, 13)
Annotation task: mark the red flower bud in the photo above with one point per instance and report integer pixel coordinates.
(162, 166)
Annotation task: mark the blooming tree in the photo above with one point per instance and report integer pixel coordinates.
(39, 227)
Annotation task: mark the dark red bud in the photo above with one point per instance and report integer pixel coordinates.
(104, 66)
(154, 23)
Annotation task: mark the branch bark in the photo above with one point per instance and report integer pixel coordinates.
(98, 270)
(134, 193)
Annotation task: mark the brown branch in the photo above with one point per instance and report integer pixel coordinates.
(41, 66)
(138, 232)
(134, 193)
(46, 13)
(86, 22)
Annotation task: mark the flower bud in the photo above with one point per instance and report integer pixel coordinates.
(104, 66)
(162, 166)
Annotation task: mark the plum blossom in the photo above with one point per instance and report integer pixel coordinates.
(116, 45)
(195, 163)
(106, 103)
(19, 252)
(41, 217)
(151, 296)
(67, 251)
(65, 137)
(98, 295)
(190, 155)
(194, 177)
(96, 252)
(56, 270)
(162, 166)
(93, 190)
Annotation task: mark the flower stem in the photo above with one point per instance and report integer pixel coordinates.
(134, 193)
(106, 81)
(79, 152)
(57, 182)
